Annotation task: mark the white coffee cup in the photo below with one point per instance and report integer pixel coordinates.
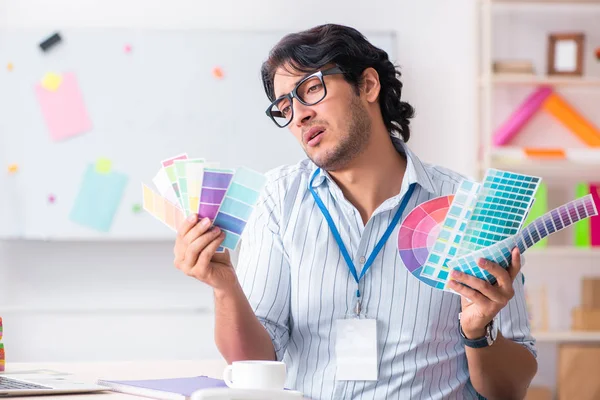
(255, 374)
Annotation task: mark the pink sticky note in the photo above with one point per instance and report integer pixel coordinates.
(64, 110)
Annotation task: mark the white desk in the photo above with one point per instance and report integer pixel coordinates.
(91, 372)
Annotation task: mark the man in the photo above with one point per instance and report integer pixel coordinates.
(294, 295)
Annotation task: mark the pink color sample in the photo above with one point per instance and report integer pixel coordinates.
(64, 110)
(171, 161)
(595, 220)
(128, 48)
(521, 115)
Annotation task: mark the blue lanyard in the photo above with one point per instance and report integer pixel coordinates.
(340, 243)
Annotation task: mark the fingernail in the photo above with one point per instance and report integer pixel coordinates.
(455, 273)
(205, 222)
(192, 217)
(217, 230)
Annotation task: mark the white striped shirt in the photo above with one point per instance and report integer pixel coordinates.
(298, 284)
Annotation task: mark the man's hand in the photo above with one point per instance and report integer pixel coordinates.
(480, 300)
(195, 254)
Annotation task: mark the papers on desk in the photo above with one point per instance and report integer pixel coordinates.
(167, 389)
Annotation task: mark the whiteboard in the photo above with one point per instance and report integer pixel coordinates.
(156, 101)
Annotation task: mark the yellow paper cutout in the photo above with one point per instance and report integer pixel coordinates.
(51, 81)
(103, 165)
(12, 168)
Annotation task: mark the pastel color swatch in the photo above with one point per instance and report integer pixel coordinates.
(164, 186)
(215, 183)
(189, 180)
(63, 109)
(238, 204)
(98, 199)
(169, 167)
(161, 208)
(553, 221)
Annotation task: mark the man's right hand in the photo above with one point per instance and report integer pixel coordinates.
(195, 254)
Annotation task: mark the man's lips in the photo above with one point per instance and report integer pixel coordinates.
(312, 132)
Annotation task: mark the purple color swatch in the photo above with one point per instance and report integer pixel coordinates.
(208, 211)
(216, 179)
(212, 196)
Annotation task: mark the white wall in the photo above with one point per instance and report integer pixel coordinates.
(85, 283)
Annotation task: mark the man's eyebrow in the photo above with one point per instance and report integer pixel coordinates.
(297, 82)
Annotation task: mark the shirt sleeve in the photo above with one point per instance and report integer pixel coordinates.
(264, 272)
(514, 318)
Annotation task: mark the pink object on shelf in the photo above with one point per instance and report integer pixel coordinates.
(595, 221)
(521, 115)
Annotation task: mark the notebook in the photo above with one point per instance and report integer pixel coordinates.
(167, 389)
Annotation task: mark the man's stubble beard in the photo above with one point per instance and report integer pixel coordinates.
(353, 143)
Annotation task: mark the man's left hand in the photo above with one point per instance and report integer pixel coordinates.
(480, 300)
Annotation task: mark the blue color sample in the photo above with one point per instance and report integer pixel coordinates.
(229, 223)
(249, 178)
(242, 193)
(98, 199)
(236, 208)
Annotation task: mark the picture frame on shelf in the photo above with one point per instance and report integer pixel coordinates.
(565, 54)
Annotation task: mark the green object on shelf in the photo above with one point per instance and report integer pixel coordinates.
(539, 208)
(582, 228)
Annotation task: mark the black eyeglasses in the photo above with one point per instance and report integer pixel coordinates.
(309, 91)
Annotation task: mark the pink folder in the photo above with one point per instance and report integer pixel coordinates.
(64, 110)
(521, 116)
(595, 221)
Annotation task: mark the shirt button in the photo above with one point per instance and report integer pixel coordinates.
(362, 260)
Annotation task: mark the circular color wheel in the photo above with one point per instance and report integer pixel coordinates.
(418, 233)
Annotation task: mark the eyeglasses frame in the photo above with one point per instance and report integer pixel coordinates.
(293, 94)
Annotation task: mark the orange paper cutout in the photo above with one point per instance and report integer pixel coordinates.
(545, 153)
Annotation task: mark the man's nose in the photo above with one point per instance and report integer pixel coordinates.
(302, 114)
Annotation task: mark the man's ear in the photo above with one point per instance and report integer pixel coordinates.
(370, 84)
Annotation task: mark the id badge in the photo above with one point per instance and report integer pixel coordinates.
(356, 349)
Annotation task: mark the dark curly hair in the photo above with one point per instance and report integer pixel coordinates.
(309, 50)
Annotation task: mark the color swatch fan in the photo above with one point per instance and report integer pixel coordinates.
(194, 186)
(418, 234)
(480, 221)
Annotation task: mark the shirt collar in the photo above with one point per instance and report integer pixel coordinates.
(415, 170)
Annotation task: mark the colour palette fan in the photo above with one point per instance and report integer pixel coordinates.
(226, 196)
(480, 220)
(418, 234)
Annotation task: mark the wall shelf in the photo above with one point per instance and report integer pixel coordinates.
(567, 336)
(564, 251)
(546, 2)
(548, 169)
(539, 80)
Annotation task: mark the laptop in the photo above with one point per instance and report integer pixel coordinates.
(43, 382)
